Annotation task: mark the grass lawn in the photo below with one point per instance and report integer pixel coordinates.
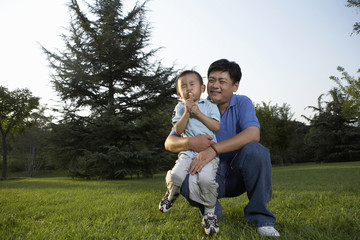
(310, 201)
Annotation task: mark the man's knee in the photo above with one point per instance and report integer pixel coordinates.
(253, 154)
(256, 149)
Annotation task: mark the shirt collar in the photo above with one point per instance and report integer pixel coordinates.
(201, 100)
(232, 101)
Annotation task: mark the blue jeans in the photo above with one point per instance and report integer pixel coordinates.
(249, 171)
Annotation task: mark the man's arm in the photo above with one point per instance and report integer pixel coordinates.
(250, 134)
(174, 143)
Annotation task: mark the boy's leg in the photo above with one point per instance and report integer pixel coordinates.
(174, 179)
(177, 174)
(208, 187)
(190, 180)
(206, 193)
(172, 189)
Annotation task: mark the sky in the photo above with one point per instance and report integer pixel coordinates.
(287, 49)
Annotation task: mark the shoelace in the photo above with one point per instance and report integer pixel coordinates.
(211, 221)
(166, 202)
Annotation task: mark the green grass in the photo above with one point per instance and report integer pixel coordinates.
(310, 201)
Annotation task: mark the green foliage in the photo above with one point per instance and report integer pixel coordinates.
(118, 97)
(332, 136)
(307, 206)
(280, 133)
(351, 94)
(15, 111)
(30, 147)
(356, 4)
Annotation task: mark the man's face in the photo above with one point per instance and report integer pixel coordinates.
(220, 87)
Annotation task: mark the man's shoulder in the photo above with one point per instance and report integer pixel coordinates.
(239, 99)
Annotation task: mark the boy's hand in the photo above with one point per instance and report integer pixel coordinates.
(195, 109)
(189, 103)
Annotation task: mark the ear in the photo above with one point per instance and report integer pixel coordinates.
(236, 86)
(203, 88)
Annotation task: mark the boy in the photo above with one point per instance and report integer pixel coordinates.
(191, 118)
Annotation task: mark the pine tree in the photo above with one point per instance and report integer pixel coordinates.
(112, 87)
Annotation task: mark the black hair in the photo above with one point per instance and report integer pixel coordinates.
(186, 72)
(225, 65)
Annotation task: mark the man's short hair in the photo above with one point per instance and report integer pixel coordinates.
(225, 65)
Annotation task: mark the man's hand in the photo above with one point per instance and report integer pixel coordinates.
(199, 143)
(201, 160)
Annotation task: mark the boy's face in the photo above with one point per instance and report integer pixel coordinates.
(221, 87)
(190, 84)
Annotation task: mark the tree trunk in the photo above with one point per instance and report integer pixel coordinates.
(32, 165)
(4, 148)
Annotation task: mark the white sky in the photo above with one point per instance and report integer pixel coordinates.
(287, 49)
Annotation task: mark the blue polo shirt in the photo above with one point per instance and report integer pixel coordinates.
(239, 115)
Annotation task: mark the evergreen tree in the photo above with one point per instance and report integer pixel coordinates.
(332, 138)
(113, 89)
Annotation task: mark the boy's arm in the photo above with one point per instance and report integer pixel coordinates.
(180, 125)
(210, 123)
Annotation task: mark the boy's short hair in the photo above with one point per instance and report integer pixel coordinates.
(186, 72)
(225, 65)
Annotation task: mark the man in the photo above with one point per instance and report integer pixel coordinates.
(245, 165)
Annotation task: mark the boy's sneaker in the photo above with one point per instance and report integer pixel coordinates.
(166, 204)
(218, 210)
(211, 225)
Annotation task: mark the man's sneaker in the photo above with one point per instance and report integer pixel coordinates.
(166, 204)
(268, 231)
(211, 225)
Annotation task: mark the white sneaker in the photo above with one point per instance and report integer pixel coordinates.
(268, 231)
(211, 225)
